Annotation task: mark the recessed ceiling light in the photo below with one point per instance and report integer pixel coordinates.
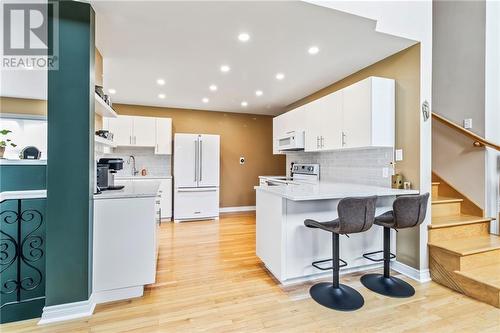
(280, 76)
(162, 96)
(205, 100)
(313, 50)
(160, 82)
(112, 91)
(258, 93)
(213, 87)
(243, 37)
(225, 68)
(244, 104)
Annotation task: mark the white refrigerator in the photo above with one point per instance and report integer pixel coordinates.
(196, 176)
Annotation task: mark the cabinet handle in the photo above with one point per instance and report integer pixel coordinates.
(322, 141)
(317, 142)
(343, 139)
(130, 139)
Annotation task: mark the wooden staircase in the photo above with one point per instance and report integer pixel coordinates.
(463, 255)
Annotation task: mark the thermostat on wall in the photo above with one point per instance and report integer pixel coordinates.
(242, 160)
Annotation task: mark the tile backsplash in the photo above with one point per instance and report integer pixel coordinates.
(361, 166)
(156, 165)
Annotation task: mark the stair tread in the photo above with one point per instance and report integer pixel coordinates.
(467, 246)
(489, 274)
(454, 220)
(440, 199)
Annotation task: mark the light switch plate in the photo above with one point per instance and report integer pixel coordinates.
(385, 172)
(399, 155)
(468, 123)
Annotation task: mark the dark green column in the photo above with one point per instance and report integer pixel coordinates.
(70, 158)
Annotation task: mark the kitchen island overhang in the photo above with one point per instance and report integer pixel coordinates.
(287, 248)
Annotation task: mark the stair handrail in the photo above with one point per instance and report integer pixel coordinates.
(478, 140)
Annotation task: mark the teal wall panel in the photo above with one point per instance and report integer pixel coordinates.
(22, 177)
(70, 158)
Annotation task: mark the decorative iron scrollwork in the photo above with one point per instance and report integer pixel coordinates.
(21, 250)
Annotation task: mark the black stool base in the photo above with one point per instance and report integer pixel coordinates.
(387, 286)
(343, 298)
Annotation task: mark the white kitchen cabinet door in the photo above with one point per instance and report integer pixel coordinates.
(357, 117)
(166, 198)
(144, 131)
(209, 160)
(186, 160)
(122, 129)
(163, 136)
(324, 123)
(331, 122)
(369, 113)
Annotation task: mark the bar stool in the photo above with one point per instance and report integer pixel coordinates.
(408, 212)
(355, 215)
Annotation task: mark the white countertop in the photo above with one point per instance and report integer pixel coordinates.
(132, 189)
(4, 161)
(141, 177)
(27, 194)
(324, 190)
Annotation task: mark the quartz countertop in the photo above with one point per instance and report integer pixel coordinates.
(132, 189)
(141, 177)
(325, 190)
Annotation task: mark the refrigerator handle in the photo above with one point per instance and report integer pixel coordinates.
(201, 159)
(195, 160)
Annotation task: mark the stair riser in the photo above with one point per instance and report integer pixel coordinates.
(435, 190)
(446, 209)
(459, 231)
(480, 260)
(455, 262)
(478, 290)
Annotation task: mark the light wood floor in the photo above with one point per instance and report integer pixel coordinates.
(209, 280)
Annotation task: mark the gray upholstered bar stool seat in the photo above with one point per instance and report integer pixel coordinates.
(355, 215)
(408, 211)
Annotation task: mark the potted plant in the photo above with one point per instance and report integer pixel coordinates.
(5, 142)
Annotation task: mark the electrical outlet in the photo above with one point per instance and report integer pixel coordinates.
(399, 155)
(468, 123)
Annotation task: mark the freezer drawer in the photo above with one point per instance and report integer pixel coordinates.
(196, 203)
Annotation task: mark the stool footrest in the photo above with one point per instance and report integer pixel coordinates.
(370, 254)
(316, 264)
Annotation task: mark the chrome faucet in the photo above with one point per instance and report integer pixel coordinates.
(134, 169)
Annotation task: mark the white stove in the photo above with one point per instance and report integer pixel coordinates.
(301, 174)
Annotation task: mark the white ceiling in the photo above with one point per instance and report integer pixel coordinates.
(185, 43)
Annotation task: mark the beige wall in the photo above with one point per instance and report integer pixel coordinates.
(98, 70)
(404, 67)
(241, 135)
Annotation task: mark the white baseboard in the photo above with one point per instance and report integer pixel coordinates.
(236, 209)
(415, 274)
(68, 311)
(118, 294)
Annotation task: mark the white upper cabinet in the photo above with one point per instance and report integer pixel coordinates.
(163, 136)
(324, 123)
(358, 116)
(141, 132)
(369, 113)
(144, 134)
(122, 129)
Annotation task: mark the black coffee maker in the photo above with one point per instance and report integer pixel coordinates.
(106, 170)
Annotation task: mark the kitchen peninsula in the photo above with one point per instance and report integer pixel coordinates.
(287, 247)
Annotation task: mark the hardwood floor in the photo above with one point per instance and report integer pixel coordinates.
(209, 280)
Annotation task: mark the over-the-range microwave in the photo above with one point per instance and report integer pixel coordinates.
(293, 140)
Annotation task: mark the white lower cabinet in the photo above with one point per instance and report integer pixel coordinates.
(124, 242)
(166, 198)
